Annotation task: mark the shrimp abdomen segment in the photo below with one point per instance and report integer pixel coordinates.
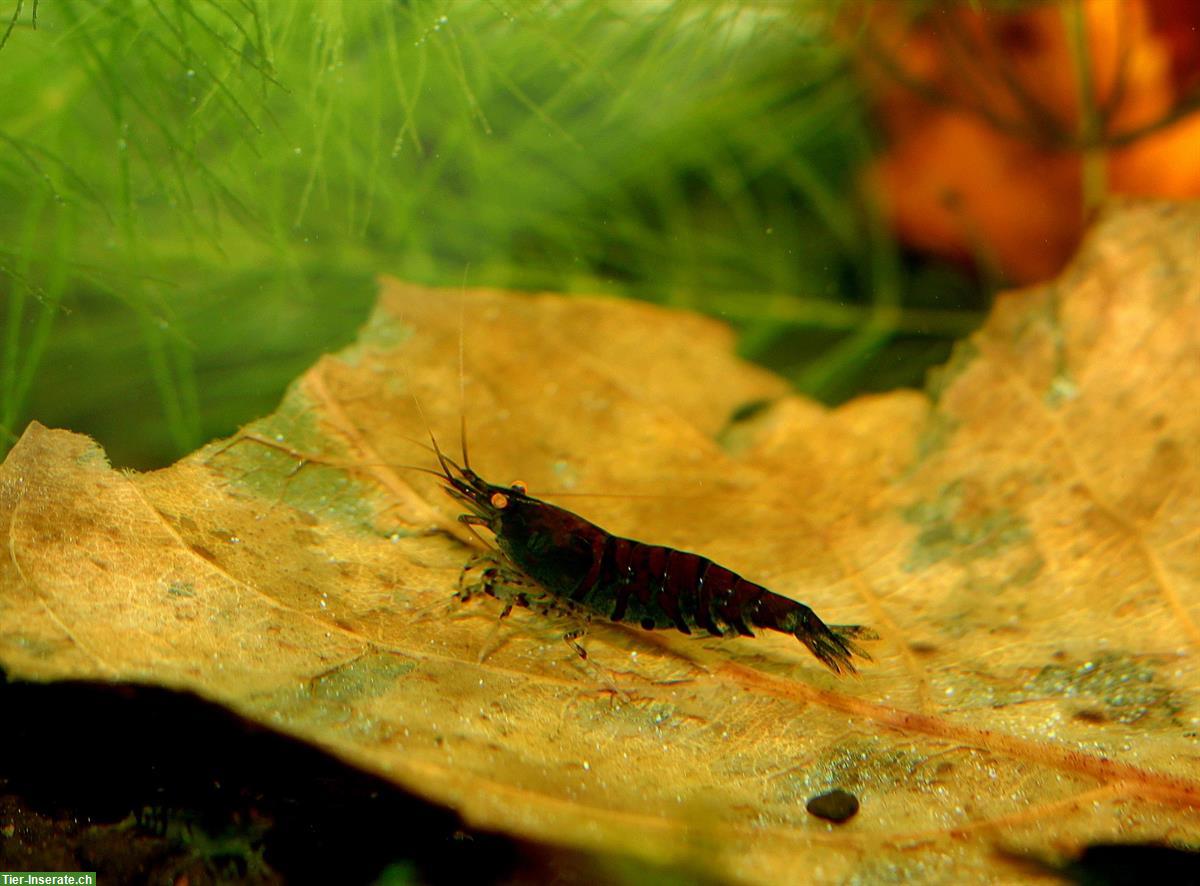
(651, 585)
(660, 587)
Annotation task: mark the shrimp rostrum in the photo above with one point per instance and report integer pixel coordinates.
(573, 565)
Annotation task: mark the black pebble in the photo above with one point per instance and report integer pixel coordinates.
(836, 805)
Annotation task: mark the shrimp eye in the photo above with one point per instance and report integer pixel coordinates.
(520, 487)
(499, 501)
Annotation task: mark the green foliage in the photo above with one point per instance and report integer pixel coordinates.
(197, 195)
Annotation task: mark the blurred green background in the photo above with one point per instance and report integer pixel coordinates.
(195, 197)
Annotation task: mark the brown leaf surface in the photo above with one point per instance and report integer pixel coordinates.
(1026, 539)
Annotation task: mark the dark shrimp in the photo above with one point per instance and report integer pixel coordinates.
(580, 566)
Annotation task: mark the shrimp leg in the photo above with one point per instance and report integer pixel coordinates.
(571, 638)
(495, 580)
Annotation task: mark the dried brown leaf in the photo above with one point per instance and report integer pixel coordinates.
(1026, 538)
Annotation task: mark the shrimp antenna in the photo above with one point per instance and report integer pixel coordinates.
(442, 460)
(431, 450)
(462, 389)
(446, 463)
(400, 467)
(462, 373)
(415, 442)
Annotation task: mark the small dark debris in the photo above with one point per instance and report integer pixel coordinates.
(836, 805)
(747, 411)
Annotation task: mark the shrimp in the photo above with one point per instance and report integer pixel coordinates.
(565, 563)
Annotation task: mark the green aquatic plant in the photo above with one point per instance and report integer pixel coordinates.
(198, 195)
